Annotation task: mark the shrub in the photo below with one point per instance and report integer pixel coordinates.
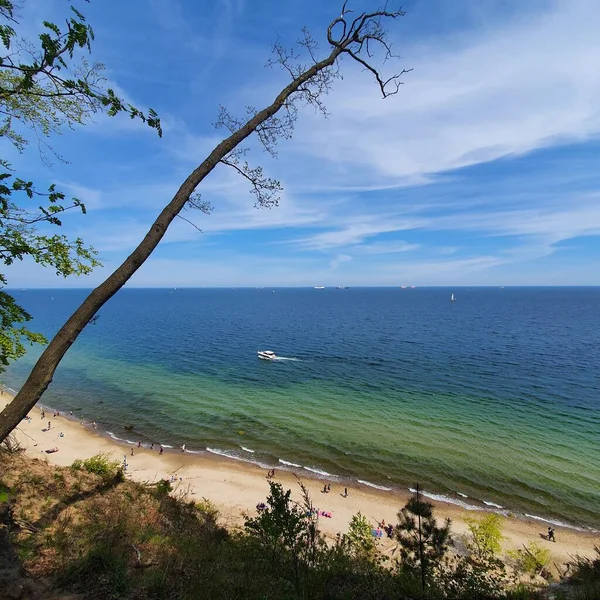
(359, 538)
(584, 569)
(485, 540)
(102, 465)
(532, 559)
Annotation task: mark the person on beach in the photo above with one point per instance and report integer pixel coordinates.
(345, 492)
(132, 452)
(152, 446)
(183, 448)
(328, 487)
(139, 444)
(161, 450)
(48, 424)
(43, 414)
(551, 537)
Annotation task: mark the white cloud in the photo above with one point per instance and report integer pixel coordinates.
(503, 92)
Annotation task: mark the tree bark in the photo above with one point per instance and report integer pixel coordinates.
(43, 371)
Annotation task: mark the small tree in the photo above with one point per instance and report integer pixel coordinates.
(481, 573)
(485, 540)
(288, 533)
(531, 559)
(422, 543)
(359, 538)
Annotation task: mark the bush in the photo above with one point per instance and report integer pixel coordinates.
(359, 538)
(486, 537)
(102, 465)
(586, 570)
(532, 560)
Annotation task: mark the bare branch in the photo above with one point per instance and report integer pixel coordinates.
(190, 222)
(265, 189)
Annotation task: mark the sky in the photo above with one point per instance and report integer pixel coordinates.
(482, 170)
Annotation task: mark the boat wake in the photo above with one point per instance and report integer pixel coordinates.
(287, 358)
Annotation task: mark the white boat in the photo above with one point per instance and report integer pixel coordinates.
(266, 354)
(319, 287)
(452, 297)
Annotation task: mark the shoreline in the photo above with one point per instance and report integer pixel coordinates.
(235, 487)
(461, 501)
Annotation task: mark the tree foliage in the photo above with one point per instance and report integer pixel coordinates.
(485, 539)
(288, 533)
(359, 539)
(44, 87)
(422, 543)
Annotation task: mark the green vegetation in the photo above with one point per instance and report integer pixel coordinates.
(423, 544)
(486, 536)
(359, 540)
(531, 559)
(86, 531)
(101, 464)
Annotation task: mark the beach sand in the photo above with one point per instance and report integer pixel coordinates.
(236, 487)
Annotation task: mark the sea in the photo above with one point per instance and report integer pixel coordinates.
(490, 402)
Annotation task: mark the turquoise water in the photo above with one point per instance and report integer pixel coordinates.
(490, 401)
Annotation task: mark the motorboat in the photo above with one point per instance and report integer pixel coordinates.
(266, 354)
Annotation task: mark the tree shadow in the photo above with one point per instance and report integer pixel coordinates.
(51, 515)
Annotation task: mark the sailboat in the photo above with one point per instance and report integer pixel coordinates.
(452, 297)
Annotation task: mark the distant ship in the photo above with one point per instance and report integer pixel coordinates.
(319, 287)
(341, 287)
(452, 297)
(402, 287)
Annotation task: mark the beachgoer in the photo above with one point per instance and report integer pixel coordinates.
(132, 452)
(43, 414)
(183, 448)
(94, 425)
(382, 524)
(345, 492)
(139, 444)
(152, 446)
(61, 434)
(70, 413)
(551, 536)
(48, 424)
(328, 487)
(161, 450)
(325, 489)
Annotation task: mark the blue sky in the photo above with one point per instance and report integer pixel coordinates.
(482, 170)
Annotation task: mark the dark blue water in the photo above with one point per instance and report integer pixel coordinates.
(495, 396)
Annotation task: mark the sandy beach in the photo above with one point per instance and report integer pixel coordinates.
(236, 487)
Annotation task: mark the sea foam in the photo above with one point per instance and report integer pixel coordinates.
(374, 485)
(289, 464)
(318, 471)
(557, 523)
(488, 503)
(446, 499)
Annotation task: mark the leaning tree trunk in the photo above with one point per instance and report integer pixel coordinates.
(43, 371)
